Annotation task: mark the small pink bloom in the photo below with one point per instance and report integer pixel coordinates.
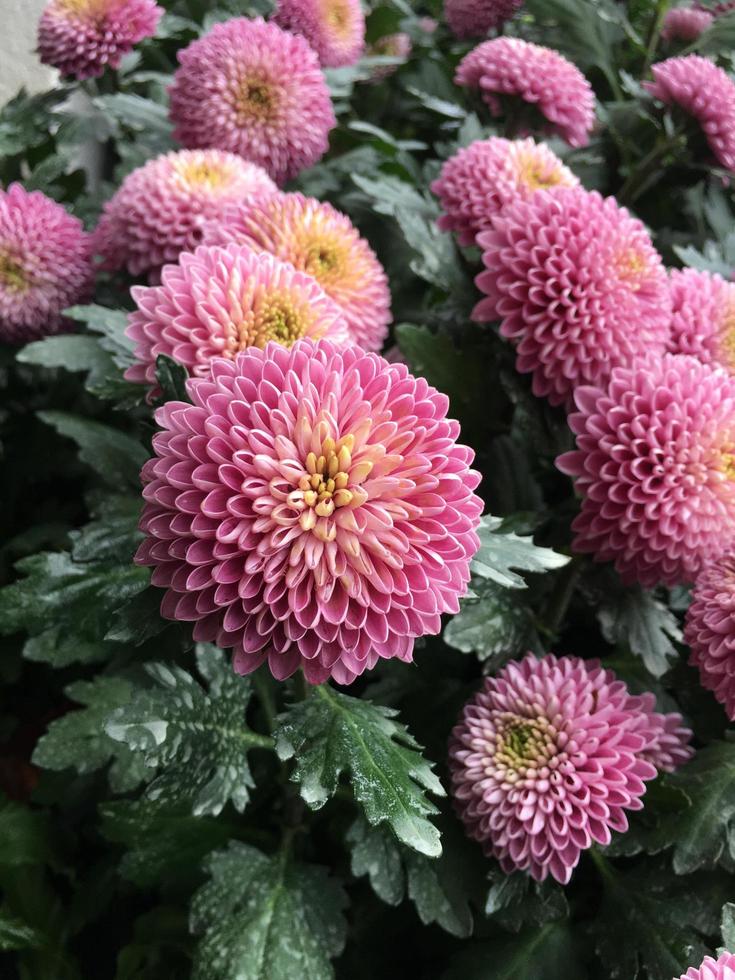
(710, 630)
(335, 29)
(703, 321)
(312, 508)
(82, 37)
(45, 265)
(539, 76)
(685, 23)
(474, 18)
(654, 463)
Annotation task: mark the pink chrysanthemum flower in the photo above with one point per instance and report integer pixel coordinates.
(698, 87)
(655, 463)
(45, 265)
(710, 630)
(219, 301)
(722, 968)
(539, 76)
(334, 28)
(577, 285)
(254, 89)
(703, 322)
(389, 46)
(312, 508)
(480, 179)
(545, 760)
(685, 24)
(82, 37)
(667, 739)
(474, 18)
(319, 240)
(160, 208)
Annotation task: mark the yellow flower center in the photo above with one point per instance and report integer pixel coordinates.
(523, 744)
(631, 268)
(13, 276)
(537, 176)
(255, 100)
(202, 172)
(336, 16)
(90, 9)
(727, 337)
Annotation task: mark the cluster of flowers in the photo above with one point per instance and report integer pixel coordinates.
(311, 506)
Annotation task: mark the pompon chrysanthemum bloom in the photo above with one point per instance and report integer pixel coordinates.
(219, 300)
(507, 66)
(82, 37)
(702, 90)
(317, 239)
(685, 24)
(666, 737)
(312, 508)
(45, 265)
(577, 285)
(710, 630)
(160, 208)
(723, 968)
(474, 18)
(545, 760)
(389, 46)
(480, 179)
(703, 322)
(254, 89)
(655, 463)
(334, 28)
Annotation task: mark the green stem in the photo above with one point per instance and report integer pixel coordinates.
(602, 864)
(561, 595)
(265, 696)
(638, 179)
(655, 34)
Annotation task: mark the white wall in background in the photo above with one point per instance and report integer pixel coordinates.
(19, 64)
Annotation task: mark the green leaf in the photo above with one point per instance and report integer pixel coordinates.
(110, 325)
(587, 32)
(702, 832)
(433, 884)
(266, 918)
(15, 934)
(171, 378)
(159, 949)
(435, 357)
(79, 352)
(24, 835)
(719, 36)
(64, 605)
(639, 621)
(115, 456)
(649, 921)
(78, 740)
(164, 843)
(113, 535)
(196, 736)
(330, 733)
(500, 552)
(515, 901)
(547, 953)
(493, 624)
(727, 926)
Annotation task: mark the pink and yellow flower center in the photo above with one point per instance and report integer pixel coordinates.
(323, 258)
(331, 481)
(282, 318)
(93, 10)
(255, 99)
(202, 173)
(13, 277)
(336, 16)
(631, 268)
(524, 747)
(727, 337)
(538, 174)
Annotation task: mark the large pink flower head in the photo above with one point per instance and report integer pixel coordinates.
(474, 18)
(218, 301)
(685, 23)
(655, 463)
(82, 37)
(710, 630)
(160, 208)
(703, 322)
(577, 285)
(334, 28)
(254, 89)
(545, 760)
(702, 90)
(507, 66)
(723, 968)
(317, 239)
(45, 265)
(480, 179)
(312, 508)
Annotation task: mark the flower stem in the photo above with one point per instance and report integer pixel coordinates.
(655, 34)
(639, 179)
(562, 593)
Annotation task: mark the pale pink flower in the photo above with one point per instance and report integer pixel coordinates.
(685, 23)
(474, 18)
(335, 29)
(723, 968)
(710, 630)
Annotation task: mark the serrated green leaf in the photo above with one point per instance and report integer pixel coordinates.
(266, 918)
(78, 740)
(547, 953)
(500, 553)
(171, 378)
(330, 733)
(112, 535)
(79, 352)
(15, 934)
(638, 620)
(115, 456)
(197, 737)
(110, 325)
(494, 624)
(516, 901)
(165, 843)
(433, 884)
